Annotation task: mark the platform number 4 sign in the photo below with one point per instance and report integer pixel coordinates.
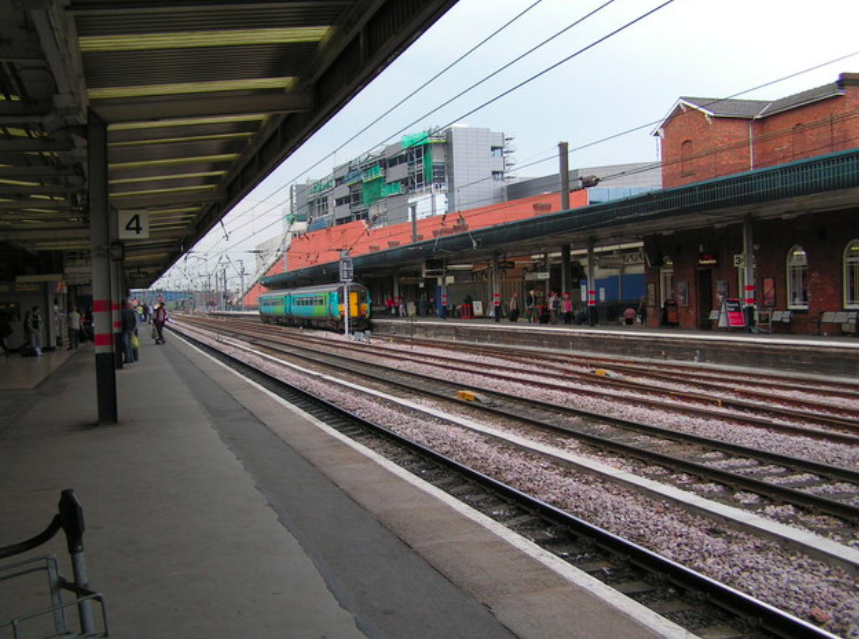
(133, 225)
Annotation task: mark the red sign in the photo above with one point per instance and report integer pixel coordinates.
(734, 313)
(708, 259)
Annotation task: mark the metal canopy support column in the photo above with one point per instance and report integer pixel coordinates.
(496, 289)
(749, 279)
(101, 288)
(565, 268)
(592, 285)
(116, 289)
(442, 311)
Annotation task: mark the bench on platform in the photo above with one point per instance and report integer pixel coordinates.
(764, 321)
(845, 320)
(781, 317)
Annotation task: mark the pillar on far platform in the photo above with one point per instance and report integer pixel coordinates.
(592, 285)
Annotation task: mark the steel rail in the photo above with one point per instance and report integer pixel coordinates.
(761, 614)
(773, 491)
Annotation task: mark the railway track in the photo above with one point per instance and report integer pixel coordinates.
(548, 417)
(740, 468)
(757, 386)
(693, 601)
(807, 418)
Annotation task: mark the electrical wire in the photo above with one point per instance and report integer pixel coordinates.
(525, 82)
(438, 75)
(627, 131)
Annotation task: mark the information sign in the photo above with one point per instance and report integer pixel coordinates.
(732, 315)
(133, 225)
(346, 270)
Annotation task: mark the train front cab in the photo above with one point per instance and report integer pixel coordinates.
(359, 308)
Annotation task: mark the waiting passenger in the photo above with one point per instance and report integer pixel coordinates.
(629, 316)
(531, 306)
(513, 307)
(74, 321)
(567, 308)
(129, 323)
(5, 332)
(33, 330)
(554, 307)
(160, 319)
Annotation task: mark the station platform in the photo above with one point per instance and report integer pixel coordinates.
(830, 355)
(215, 509)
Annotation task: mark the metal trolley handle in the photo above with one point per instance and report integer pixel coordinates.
(69, 519)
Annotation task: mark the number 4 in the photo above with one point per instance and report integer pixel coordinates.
(134, 225)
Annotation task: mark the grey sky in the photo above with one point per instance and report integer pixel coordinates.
(688, 47)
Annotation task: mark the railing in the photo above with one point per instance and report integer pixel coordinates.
(69, 519)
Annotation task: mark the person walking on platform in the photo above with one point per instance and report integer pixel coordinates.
(74, 320)
(531, 306)
(33, 331)
(629, 316)
(567, 308)
(5, 332)
(159, 319)
(129, 323)
(513, 307)
(554, 305)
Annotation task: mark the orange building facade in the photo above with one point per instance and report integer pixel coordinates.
(325, 245)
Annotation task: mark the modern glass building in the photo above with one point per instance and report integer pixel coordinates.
(426, 173)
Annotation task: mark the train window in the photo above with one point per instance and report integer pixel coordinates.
(851, 275)
(797, 278)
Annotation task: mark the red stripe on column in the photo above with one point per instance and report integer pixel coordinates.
(104, 340)
(101, 306)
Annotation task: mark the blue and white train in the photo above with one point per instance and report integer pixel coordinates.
(319, 306)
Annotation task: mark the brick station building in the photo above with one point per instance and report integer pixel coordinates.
(805, 263)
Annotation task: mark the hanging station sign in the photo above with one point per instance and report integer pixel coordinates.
(709, 260)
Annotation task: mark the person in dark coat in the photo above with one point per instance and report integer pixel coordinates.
(5, 332)
(159, 320)
(129, 324)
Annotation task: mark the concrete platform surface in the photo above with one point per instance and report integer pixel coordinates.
(215, 509)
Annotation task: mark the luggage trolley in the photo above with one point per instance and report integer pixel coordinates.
(55, 615)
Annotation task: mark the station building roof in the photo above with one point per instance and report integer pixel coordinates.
(201, 101)
(825, 183)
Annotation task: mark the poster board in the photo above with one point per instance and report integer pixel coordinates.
(731, 315)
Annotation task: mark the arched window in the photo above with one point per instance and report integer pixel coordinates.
(797, 278)
(666, 279)
(851, 275)
(686, 158)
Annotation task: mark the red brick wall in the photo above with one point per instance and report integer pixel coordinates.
(722, 146)
(823, 236)
(817, 129)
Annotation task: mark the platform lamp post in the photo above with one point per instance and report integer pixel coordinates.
(346, 272)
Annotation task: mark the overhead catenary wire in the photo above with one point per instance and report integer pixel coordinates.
(521, 84)
(640, 127)
(390, 110)
(553, 157)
